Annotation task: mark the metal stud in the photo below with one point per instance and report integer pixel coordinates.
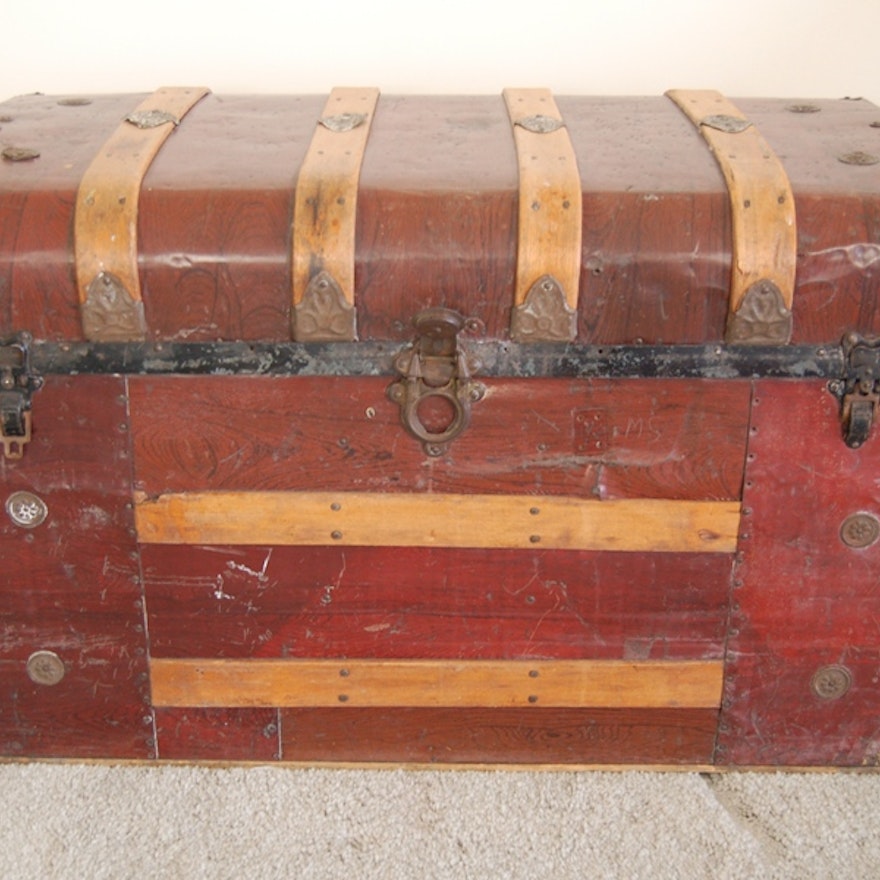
(860, 530)
(26, 509)
(45, 667)
(831, 682)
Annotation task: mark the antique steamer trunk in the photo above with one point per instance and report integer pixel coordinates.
(514, 429)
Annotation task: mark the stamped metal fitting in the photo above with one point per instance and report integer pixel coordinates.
(26, 510)
(436, 372)
(859, 389)
(45, 667)
(831, 682)
(17, 383)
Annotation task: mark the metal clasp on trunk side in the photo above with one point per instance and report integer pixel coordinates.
(859, 389)
(436, 390)
(17, 383)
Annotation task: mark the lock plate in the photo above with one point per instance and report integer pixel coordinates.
(859, 389)
(17, 383)
(436, 388)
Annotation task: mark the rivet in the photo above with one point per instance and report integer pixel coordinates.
(337, 535)
(335, 506)
(344, 673)
(26, 509)
(860, 530)
(535, 539)
(45, 667)
(533, 673)
(533, 699)
(534, 511)
(343, 698)
(831, 682)
(858, 157)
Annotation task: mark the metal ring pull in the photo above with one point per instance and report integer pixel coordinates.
(436, 367)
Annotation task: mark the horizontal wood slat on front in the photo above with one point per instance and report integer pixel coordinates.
(423, 520)
(427, 683)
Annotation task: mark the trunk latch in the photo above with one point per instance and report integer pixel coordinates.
(859, 389)
(436, 390)
(17, 383)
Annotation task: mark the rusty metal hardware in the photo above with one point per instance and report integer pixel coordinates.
(436, 370)
(859, 389)
(45, 667)
(26, 510)
(860, 530)
(831, 682)
(17, 384)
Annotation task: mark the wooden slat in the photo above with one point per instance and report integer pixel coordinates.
(550, 216)
(325, 210)
(105, 226)
(422, 520)
(435, 683)
(762, 209)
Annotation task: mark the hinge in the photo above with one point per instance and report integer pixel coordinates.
(17, 383)
(436, 390)
(859, 389)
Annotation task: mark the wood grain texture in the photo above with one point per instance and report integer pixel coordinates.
(360, 519)
(217, 734)
(761, 201)
(679, 439)
(71, 585)
(105, 224)
(549, 205)
(655, 216)
(435, 683)
(239, 602)
(525, 736)
(803, 599)
(325, 210)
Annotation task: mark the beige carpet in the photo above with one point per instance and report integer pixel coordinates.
(95, 821)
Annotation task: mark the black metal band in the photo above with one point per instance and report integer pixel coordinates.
(497, 359)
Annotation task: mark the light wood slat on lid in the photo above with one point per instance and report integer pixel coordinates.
(324, 219)
(763, 218)
(427, 683)
(433, 520)
(548, 262)
(106, 218)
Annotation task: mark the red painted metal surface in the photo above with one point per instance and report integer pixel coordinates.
(71, 585)
(803, 599)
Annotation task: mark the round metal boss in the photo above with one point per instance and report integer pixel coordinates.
(26, 510)
(860, 530)
(45, 667)
(831, 682)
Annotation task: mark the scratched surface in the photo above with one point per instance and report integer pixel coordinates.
(432, 603)
(652, 438)
(803, 599)
(550, 736)
(71, 585)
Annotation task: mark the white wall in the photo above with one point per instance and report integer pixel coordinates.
(789, 48)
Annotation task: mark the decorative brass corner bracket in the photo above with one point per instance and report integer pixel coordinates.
(545, 315)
